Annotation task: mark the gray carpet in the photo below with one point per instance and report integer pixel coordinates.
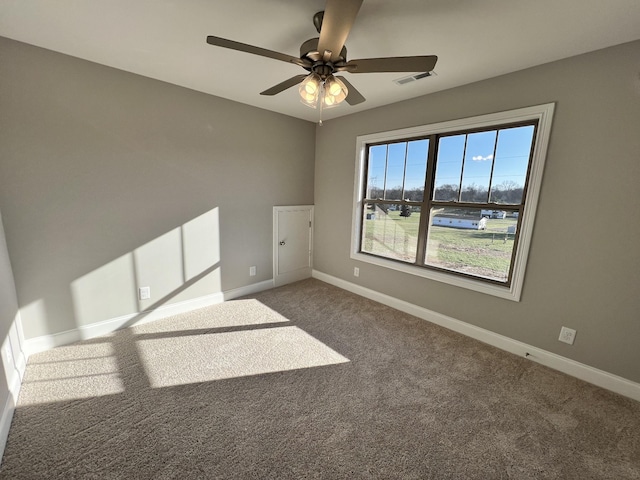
(310, 381)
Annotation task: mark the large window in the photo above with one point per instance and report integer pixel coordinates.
(454, 201)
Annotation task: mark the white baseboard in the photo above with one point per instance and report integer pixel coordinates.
(5, 421)
(14, 362)
(579, 370)
(83, 332)
(248, 290)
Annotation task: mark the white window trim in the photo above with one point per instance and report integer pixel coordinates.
(544, 115)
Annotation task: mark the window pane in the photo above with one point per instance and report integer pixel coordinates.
(375, 175)
(449, 168)
(478, 160)
(391, 231)
(511, 163)
(416, 170)
(464, 241)
(395, 171)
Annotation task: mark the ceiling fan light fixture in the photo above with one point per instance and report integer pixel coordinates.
(309, 89)
(310, 101)
(334, 92)
(312, 83)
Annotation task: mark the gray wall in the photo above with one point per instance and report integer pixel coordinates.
(110, 181)
(584, 264)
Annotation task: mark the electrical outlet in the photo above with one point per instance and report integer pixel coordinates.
(252, 271)
(144, 293)
(567, 335)
(356, 272)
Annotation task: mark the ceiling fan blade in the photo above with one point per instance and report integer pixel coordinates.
(284, 85)
(354, 97)
(263, 52)
(424, 63)
(339, 16)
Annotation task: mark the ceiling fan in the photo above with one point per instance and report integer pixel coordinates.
(325, 55)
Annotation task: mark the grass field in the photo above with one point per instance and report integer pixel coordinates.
(479, 252)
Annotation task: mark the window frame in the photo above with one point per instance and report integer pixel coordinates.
(512, 290)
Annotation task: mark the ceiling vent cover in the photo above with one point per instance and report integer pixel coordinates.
(413, 78)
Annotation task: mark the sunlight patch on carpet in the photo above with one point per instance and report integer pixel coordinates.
(217, 356)
(233, 313)
(71, 373)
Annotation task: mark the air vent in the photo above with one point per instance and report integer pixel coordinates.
(413, 78)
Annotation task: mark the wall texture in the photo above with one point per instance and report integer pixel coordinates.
(110, 181)
(584, 264)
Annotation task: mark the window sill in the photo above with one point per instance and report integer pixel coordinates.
(509, 293)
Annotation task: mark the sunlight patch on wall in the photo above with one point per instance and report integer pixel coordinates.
(217, 356)
(106, 292)
(180, 265)
(70, 373)
(201, 243)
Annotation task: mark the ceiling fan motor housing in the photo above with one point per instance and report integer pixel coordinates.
(309, 51)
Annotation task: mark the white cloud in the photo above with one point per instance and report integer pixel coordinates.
(480, 158)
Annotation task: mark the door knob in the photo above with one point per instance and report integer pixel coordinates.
(282, 242)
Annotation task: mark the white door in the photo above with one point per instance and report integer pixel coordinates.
(292, 243)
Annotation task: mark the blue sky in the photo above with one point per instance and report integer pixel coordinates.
(509, 157)
(416, 153)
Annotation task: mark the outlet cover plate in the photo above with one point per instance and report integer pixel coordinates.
(144, 293)
(567, 335)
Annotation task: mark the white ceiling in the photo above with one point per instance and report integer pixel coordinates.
(165, 39)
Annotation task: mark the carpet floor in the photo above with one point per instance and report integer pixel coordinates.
(310, 381)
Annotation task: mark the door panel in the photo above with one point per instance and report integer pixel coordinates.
(292, 228)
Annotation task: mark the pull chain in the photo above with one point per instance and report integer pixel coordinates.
(321, 100)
